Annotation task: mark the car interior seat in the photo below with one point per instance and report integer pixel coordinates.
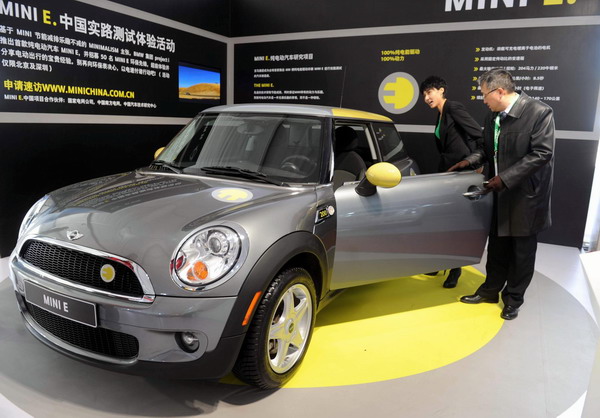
(347, 164)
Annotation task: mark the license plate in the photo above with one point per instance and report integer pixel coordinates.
(67, 307)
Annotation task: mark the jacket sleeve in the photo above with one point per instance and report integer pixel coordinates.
(471, 133)
(540, 151)
(478, 156)
(466, 122)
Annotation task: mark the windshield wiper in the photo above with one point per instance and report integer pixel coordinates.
(242, 172)
(172, 167)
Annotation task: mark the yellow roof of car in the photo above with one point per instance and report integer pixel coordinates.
(357, 114)
(299, 109)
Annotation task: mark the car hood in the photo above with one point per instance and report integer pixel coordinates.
(138, 195)
(144, 216)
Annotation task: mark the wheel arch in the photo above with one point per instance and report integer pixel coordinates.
(298, 249)
(310, 263)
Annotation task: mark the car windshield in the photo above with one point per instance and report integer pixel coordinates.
(274, 148)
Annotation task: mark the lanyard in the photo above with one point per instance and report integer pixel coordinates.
(496, 136)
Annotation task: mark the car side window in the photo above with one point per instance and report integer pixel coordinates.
(364, 146)
(389, 142)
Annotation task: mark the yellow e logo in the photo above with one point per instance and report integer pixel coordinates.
(107, 273)
(232, 195)
(398, 93)
(46, 17)
(557, 2)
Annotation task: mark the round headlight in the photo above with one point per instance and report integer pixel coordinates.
(206, 256)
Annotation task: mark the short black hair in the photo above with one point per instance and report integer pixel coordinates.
(434, 82)
(498, 78)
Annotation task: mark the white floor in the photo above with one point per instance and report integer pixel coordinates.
(3, 269)
(562, 265)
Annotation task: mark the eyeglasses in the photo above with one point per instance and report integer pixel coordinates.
(491, 91)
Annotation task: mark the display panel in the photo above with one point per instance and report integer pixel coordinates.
(71, 57)
(381, 74)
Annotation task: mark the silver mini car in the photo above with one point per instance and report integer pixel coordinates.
(218, 255)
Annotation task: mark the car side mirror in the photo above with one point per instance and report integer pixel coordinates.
(157, 152)
(381, 174)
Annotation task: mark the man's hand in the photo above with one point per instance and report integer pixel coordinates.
(494, 184)
(459, 165)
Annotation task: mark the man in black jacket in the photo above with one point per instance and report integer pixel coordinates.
(519, 147)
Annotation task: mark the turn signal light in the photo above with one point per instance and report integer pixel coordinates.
(198, 272)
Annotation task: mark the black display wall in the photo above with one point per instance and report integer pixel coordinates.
(260, 17)
(38, 158)
(210, 15)
(100, 90)
(573, 176)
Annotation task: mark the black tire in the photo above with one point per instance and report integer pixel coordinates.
(265, 360)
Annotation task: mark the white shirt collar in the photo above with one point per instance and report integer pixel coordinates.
(515, 98)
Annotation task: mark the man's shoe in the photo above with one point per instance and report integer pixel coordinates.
(473, 299)
(452, 278)
(509, 312)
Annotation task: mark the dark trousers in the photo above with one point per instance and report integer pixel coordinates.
(510, 266)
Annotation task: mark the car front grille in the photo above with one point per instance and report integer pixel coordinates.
(98, 340)
(80, 267)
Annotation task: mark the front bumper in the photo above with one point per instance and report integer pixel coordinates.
(131, 337)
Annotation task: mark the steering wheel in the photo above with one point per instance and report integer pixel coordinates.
(293, 163)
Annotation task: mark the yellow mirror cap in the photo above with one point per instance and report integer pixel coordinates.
(158, 151)
(384, 175)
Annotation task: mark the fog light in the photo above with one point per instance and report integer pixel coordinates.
(187, 341)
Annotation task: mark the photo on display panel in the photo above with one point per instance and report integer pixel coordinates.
(199, 83)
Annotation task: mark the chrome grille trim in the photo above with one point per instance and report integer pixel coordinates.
(139, 272)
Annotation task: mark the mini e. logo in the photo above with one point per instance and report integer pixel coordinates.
(107, 273)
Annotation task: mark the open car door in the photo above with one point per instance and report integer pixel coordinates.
(423, 224)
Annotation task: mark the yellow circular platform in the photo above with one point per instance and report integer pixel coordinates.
(395, 329)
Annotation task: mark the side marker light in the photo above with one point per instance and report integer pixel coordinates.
(255, 300)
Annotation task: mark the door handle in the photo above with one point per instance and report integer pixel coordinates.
(475, 193)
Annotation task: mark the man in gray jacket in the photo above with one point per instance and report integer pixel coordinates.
(519, 147)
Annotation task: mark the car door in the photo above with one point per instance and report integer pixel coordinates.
(424, 224)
